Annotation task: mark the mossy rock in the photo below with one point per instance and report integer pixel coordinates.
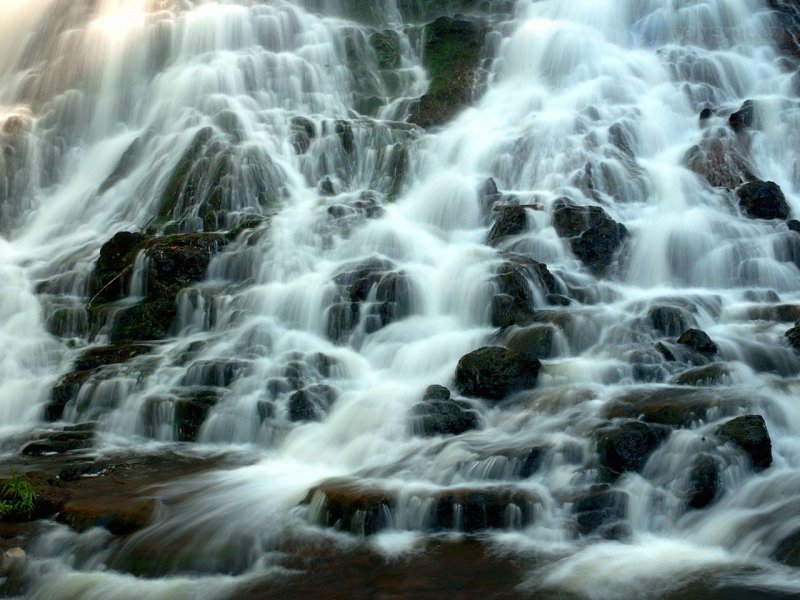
(146, 321)
(452, 56)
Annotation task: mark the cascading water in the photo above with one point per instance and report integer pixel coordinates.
(238, 199)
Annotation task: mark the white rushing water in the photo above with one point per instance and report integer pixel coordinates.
(593, 100)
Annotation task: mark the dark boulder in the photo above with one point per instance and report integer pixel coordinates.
(494, 373)
(515, 277)
(626, 446)
(704, 481)
(452, 57)
(788, 550)
(593, 235)
(721, 159)
(698, 340)
(311, 403)
(344, 129)
(599, 509)
(511, 220)
(750, 434)
(763, 200)
(191, 411)
(744, 117)
(439, 414)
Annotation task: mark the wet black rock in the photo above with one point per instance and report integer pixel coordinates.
(173, 263)
(704, 481)
(452, 56)
(344, 129)
(112, 271)
(107, 355)
(439, 414)
(593, 235)
(64, 391)
(510, 221)
(793, 225)
(763, 200)
(494, 373)
(750, 434)
(209, 373)
(598, 510)
(303, 132)
(311, 403)
(698, 340)
(743, 118)
(788, 550)
(513, 303)
(793, 335)
(627, 446)
(372, 290)
(191, 411)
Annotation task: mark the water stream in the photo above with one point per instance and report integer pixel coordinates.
(304, 146)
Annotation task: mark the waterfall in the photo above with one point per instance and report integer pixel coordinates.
(268, 237)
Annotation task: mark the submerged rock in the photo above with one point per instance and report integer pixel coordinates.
(598, 510)
(495, 373)
(704, 481)
(750, 434)
(311, 403)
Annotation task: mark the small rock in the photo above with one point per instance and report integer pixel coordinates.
(439, 414)
(511, 221)
(743, 118)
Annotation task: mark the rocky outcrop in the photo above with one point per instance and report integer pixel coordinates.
(593, 236)
(763, 200)
(750, 434)
(439, 414)
(495, 373)
(171, 263)
(452, 57)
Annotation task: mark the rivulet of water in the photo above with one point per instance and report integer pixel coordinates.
(101, 103)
